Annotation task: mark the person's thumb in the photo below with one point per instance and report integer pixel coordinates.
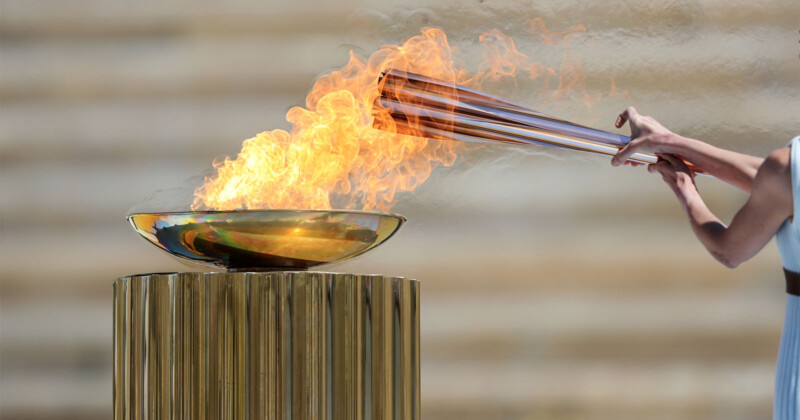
(624, 153)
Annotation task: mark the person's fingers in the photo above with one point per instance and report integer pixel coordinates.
(662, 167)
(633, 163)
(625, 152)
(671, 158)
(629, 114)
(633, 114)
(677, 163)
(621, 120)
(621, 156)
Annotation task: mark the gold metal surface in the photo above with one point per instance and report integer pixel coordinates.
(277, 345)
(264, 240)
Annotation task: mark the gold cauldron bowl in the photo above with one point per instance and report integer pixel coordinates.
(266, 240)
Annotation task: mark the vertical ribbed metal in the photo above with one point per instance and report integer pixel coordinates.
(279, 345)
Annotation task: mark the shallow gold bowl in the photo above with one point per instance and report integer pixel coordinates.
(263, 240)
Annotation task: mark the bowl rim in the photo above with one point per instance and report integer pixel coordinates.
(400, 220)
(297, 211)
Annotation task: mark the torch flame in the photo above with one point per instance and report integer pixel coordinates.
(334, 156)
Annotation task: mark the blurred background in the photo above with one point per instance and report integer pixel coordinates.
(554, 286)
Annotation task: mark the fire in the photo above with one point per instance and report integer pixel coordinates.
(334, 157)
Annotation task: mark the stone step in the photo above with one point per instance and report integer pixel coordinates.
(488, 390)
(514, 326)
(53, 18)
(170, 66)
(36, 260)
(120, 130)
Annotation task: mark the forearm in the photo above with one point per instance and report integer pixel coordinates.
(734, 168)
(708, 228)
(768, 207)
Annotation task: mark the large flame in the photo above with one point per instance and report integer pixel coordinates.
(333, 155)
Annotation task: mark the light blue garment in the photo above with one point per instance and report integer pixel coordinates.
(787, 379)
(788, 235)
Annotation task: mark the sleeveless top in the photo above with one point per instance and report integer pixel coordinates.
(786, 405)
(788, 236)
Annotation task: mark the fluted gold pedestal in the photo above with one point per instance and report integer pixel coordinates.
(276, 345)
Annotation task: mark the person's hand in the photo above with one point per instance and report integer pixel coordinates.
(647, 136)
(676, 174)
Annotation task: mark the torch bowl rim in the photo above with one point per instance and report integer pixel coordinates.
(221, 212)
(292, 239)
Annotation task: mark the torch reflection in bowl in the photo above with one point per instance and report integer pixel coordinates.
(263, 240)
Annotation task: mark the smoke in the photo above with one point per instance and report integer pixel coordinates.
(174, 199)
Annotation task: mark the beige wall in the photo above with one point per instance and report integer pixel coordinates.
(553, 288)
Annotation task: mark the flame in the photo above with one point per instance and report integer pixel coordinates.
(334, 156)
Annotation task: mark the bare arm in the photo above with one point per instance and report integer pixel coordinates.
(734, 168)
(769, 205)
(647, 135)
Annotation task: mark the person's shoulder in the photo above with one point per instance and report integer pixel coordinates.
(778, 163)
(775, 174)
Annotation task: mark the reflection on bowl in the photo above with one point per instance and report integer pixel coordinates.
(263, 240)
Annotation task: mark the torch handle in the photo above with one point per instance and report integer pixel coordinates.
(466, 122)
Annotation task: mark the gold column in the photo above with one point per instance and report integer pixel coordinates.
(276, 345)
